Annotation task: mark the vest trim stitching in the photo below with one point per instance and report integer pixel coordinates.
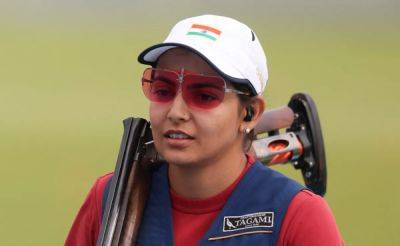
(239, 234)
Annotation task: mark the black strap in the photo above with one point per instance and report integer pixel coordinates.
(105, 195)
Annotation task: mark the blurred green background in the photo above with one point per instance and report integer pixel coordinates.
(69, 76)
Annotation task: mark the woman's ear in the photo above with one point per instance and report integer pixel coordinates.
(253, 113)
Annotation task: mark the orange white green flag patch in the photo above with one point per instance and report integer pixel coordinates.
(204, 31)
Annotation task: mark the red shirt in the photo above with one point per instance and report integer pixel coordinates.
(191, 218)
(308, 220)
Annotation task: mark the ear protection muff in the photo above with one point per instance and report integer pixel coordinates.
(249, 113)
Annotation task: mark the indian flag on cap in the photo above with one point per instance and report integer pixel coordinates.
(204, 31)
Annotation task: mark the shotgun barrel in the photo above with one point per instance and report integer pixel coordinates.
(129, 187)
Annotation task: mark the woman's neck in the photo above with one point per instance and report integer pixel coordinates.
(206, 180)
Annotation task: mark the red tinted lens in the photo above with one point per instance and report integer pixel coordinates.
(159, 85)
(203, 92)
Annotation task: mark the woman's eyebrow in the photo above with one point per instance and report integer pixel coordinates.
(204, 85)
(163, 78)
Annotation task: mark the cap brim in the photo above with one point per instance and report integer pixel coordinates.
(150, 56)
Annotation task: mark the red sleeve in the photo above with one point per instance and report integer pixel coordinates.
(86, 226)
(309, 221)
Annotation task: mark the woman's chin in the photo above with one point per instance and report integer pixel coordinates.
(180, 159)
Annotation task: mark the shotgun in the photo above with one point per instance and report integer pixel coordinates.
(129, 189)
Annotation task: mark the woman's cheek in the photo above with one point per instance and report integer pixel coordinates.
(213, 127)
(156, 116)
(156, 120)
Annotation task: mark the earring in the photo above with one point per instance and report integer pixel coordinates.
(247, 130)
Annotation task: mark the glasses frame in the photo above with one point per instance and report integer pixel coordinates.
(181, 76)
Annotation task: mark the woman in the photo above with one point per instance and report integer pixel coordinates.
(205, 87)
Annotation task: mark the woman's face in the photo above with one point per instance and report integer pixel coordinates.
(210, 134)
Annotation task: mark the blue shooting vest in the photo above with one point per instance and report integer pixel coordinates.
(252, 215)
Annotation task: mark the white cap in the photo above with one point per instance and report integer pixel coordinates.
(228, 45)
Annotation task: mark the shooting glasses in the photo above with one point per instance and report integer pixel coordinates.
(198, 91)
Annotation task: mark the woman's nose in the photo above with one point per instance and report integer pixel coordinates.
(178, 111)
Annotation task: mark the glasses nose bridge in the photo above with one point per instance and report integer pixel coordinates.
(180, 102)
(180, 80)
(181, 75)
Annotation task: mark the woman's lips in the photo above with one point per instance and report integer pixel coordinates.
(178, 143)
(178, 138)
(177, 134)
